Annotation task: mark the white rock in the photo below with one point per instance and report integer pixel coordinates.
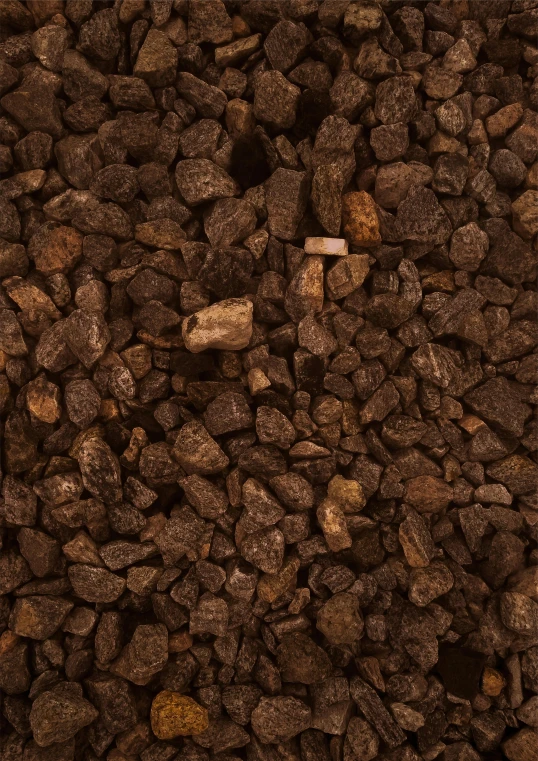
(225, 325)
(326, 246)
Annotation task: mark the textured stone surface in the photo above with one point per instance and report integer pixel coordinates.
(267, 379)
(174, 715)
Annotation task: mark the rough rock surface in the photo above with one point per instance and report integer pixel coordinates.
(268, 378)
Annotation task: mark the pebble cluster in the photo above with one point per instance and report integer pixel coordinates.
(267, 372)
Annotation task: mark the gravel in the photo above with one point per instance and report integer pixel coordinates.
(268, 372)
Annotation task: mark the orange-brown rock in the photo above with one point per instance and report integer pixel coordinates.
(359, 217)
(174, 715)
(55, 249)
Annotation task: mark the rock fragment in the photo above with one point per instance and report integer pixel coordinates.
(226, 325)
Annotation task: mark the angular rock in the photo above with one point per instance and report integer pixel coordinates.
(174, 715)
(200, 180)
(359, 219)
(156, 62)
(286, 193)
(225, 325)
(59, 713)
(279, 719)
(38, 617)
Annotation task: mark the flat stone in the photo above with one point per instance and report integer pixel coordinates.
(326, 246)
(95, 584)
(428, 494)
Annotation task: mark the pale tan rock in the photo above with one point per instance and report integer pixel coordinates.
(257, 380)
(333, 524)
(225, 325)
(326, 246)
(347, 493)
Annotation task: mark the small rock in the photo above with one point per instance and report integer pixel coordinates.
(362, 741)
(59, 713)
(428, 494)
(38, 617)
(395, 100)
(327, 186)
(272, 427)
(434, 363)
(422, 218)
(519, 613)
(426, 584)
(225, 325)
(301, 660)
(197, 452)
(333, 524)
(278, 719)
(200, 180)
(522, 745)
(468, 247)
(95, 584)
(156, 62)
(326, 246)
(209, 22)
(373, 709)
(208, 100)
(11, 338)
(286, 193)
(416, 541)
(498, 402)
(275, 100)
(339, 619)
(304, 295)
(359, 219)
(174, 715)
(264, 549)
(35, 109)
(286, 44)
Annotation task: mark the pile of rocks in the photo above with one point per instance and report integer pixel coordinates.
(267, 367)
